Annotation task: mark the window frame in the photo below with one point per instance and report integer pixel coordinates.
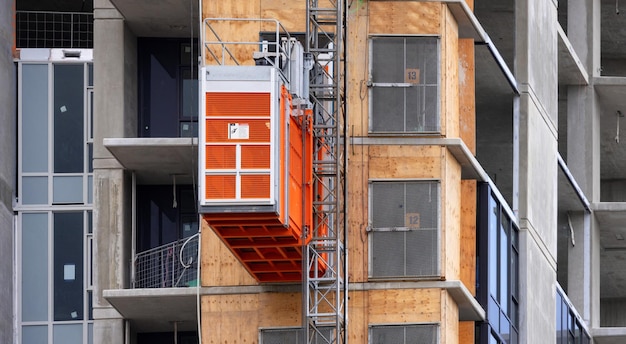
(372, 84)
(48, 327)
(570, 327)
(297, 331)
(488, 236)
(371, 229)
(436, 327)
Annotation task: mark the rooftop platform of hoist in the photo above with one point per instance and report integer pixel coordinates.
(255, 155)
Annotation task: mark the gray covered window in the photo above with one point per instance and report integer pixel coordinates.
(34, 270)
(69, 116)
(404, 93)
(293, 336)
(68, 266)
(404, 240)
(34, 126)
(404, 334)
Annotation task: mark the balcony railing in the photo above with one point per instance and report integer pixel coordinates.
(53, 29)
(168, 266)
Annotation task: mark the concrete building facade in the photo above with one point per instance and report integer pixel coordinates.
(476, 196)
(7, 173)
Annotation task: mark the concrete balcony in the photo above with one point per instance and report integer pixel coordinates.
(157, 160)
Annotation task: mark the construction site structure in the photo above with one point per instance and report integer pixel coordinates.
(315, 171)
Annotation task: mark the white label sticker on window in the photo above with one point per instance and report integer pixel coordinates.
(69, 272)
(238, 131)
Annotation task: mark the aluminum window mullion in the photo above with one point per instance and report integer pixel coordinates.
(50, 276)
(404, 126)
(50, 173)
(404, 258)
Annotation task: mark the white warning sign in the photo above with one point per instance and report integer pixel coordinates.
(238, 131)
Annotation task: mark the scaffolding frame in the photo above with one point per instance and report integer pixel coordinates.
(325, 293)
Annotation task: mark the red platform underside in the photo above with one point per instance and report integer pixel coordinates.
(270, 251)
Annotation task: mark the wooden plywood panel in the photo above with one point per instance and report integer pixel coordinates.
(280, 309)
(357, 69)
(238, 318)
(222, 318)
(405, 161)
(291, 14)
(403, 305)
(466, 332)
(230, 32)
(449, 329)
(231, 9)
(451, 218)
(468, 235)
(358, 213)
(467, 94)
(405, 17)
(358, 317)
(450, 76)
(219, 265)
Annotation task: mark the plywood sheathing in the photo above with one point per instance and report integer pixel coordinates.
(405, 17)
(238, 318)
(467, 94)
(231, 9)
(449, 89)
(468, 235)
(405, 161)
(449, 330)
(292, 14)
(451, 217)
(357, 218)
(357, 94)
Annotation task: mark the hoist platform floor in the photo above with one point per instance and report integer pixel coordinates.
(270, 251)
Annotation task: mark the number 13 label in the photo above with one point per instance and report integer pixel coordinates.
(412, 75)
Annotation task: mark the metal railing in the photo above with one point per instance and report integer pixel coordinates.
(36, 29)
(228, 48)
(168, 266)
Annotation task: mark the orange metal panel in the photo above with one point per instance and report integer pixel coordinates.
(269, 245)
(285, 102)
(237, 104)
(255, 186)
(220, 186)
(220, 157)
(255, 156)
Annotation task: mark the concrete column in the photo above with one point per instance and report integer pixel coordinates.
(583, 138)
(115, 115)
(536, 72)
(7, 169)
(579, 263)
(583, 113)
(583, 32)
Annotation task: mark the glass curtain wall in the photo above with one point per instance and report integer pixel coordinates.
(55, 176)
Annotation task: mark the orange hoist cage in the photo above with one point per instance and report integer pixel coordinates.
(268, 243)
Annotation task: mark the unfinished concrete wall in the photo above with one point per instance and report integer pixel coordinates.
(613, 190)
(612, 313)
(536, 71)
(115, 115)
(7, 169)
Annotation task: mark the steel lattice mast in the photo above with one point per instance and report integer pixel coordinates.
(325, 296)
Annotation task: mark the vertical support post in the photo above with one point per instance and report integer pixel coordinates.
(133, 230)
(325, 290)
